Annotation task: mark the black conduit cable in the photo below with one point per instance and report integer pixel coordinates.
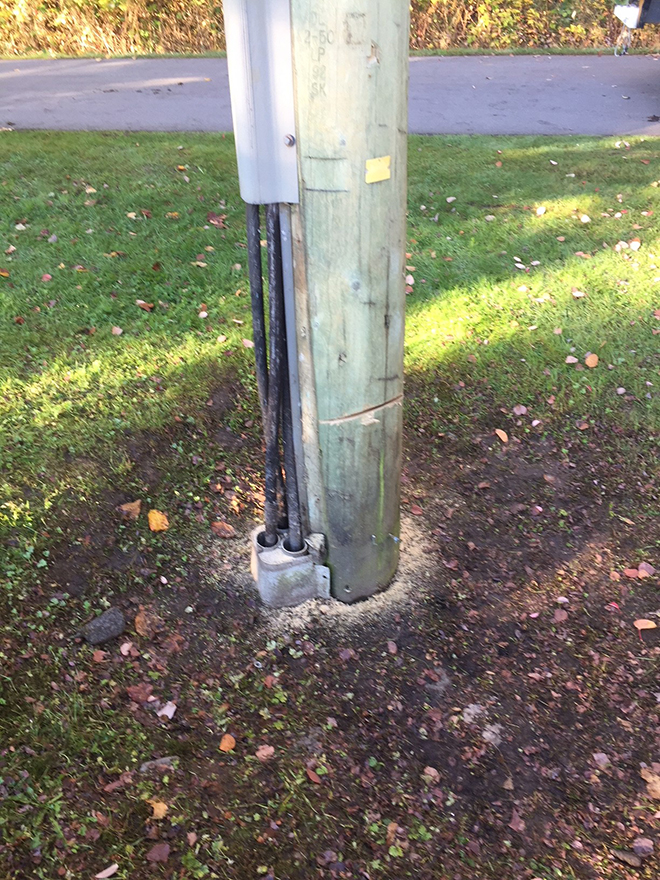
(272, 417)
(257, 301)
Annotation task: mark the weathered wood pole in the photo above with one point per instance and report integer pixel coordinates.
(350, 62)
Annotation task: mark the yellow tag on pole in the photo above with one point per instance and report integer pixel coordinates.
(377, 169)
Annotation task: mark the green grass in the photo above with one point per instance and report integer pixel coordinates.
(475, 317)
(75, 399)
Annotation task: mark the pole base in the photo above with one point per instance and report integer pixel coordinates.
(284, 577)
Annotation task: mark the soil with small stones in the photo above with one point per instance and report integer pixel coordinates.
(446, 729)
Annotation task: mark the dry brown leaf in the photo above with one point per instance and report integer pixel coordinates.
(631, 573)
(652, 782)
(99, 656)
(131, 509)
(159, 807)
(646, 568)
(227, 743)
(145, 306)
(591, 360)
(158, 521)
(159, 853)
(117, 331)
(223, 529)
(504, 437)
(147, 623)
(139, 693)
(416, 510)
(391, 833)
(313, 776)
(643, 623)
(264, 753)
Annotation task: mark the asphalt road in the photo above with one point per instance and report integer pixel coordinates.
(544, 94)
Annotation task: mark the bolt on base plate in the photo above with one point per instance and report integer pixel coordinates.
(286, 577)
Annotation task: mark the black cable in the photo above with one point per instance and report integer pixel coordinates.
(276, 363)
(257, 301)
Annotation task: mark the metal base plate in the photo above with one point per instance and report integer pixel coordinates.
(285, 578)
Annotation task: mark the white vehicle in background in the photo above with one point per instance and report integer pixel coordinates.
(634, 15)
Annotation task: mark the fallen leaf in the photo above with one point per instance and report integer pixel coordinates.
(158, 521)
(643, 623)
(313, 776)
(108, 872)
(125, 649)
(519, 410)
(570, 359)
(652, 782)
(131, 215)
(430, 775)
(577, 294)
(117, 331)
(391, 833)
(140, 693)
(145, 306)
(601, 760)
(248, 343)
(265, 753)
(191, 837)
(46, 277)
(227, 743)
(516, 823)
(223, 529)
(508, 784)
(167, 711)
(99, 656)
(591, 360)
(416, 510)
(504, 437)
(631, 573)
(560, 616)
(159, 853)
(217, 220)
(647, 568)
(124, 779)
(392, 647)
(159, 808)
(146, 623)
(131, 509)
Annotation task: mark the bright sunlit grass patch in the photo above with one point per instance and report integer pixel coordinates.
(546, 253)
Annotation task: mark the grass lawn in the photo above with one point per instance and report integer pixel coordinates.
(496, 715)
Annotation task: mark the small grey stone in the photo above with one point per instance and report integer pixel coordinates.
(643, 847)
(106, 626)
(166, 763)
(627, 857)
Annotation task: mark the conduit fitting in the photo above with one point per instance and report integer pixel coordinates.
(289, 577)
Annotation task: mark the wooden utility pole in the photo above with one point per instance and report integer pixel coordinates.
(350, 64)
